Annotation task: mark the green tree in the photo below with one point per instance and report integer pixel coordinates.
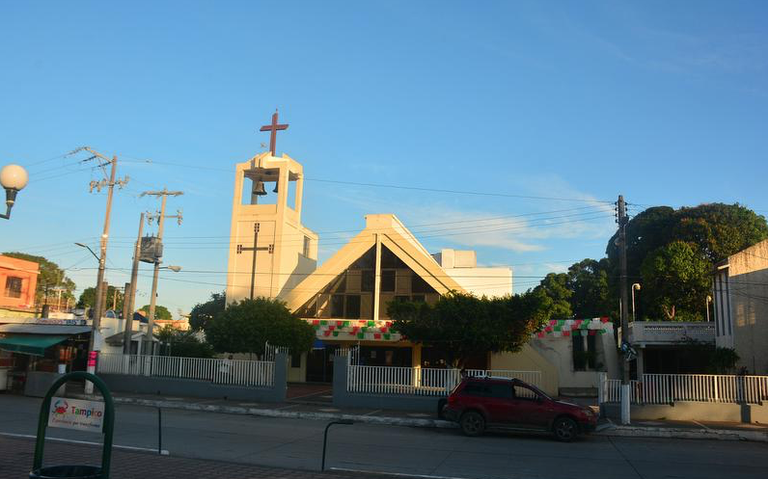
(714, 231)
(588, 281)
(203, 313)
(50, 277)
(246, 327)
(88, 298)
(556, 287)
(720, 230)
(183, 343)
(161, 312)
(462, 325)
(676, 281)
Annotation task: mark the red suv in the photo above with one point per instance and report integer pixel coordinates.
(489, 402)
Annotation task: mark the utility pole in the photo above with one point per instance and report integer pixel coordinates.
(99, 302)
(114, 298)
(625, 347)
(129, 299)
(160, 223)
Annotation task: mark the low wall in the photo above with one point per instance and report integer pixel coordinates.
(343, 398)
(692, 411)
(202, 389)
(38, 383)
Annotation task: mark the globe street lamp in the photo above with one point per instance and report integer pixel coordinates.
(13, 178)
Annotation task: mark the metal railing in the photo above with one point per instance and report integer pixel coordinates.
(420, 381)
(219, 371)
(668, 388)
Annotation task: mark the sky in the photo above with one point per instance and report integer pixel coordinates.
(504, 127)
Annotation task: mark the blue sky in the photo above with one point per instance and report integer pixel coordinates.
(664, 102)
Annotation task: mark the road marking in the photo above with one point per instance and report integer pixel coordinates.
(700, 424)
(372, 412)
(164, 452)
(393, 474)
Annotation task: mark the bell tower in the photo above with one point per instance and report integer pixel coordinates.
(270, 251)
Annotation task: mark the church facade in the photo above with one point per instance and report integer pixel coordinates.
(272, 254)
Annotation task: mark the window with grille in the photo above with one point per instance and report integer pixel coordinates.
(13, 287)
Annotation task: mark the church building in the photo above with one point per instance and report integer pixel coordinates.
(272, 254)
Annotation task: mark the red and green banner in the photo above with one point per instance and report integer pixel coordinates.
(557, 328)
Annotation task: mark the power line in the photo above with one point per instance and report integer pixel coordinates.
(379, 185)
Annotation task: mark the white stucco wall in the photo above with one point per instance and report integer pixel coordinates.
(461, 266)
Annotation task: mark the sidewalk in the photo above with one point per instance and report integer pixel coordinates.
(16, 456)
(724, 431)
(317, 406)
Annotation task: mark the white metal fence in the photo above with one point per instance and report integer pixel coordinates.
(271, 351)
(668, 388)
(220, 371)
(421, 381)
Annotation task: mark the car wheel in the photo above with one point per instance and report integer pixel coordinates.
(472, 423)
(565, 429)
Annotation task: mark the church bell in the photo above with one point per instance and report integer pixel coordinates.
(258, 188)
(277, 183)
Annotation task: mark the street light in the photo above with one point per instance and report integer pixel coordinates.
(13, 178)
(709, 300)
(153, 302)
(635, 287)
(89, 249)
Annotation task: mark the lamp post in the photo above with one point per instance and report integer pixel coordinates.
(153, 303)
(89, 249)
(709, 300)
(96, 316)
(635, 287)
(13, 178)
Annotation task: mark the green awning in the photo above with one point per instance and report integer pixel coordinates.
(34, 344)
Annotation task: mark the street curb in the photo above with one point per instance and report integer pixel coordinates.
(603, 430)
(276, 413)
(679, 433)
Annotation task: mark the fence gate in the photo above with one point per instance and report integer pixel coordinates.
(271, 351)
(352, 354)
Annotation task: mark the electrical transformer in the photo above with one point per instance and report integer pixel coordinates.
(151, 249)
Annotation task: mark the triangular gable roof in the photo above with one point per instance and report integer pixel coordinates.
(395, 236)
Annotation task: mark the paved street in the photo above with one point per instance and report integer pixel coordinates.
(298, 444)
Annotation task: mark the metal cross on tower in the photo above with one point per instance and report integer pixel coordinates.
(255, 249)
(273, 128)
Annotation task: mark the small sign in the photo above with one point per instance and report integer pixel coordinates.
(61, 322)
(92, 359)
(76, 414)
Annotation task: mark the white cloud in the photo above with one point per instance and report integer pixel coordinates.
(556, 267)
(477, 226)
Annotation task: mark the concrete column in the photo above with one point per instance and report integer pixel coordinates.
(416, 355)
(377, 280)
(280, 386)
(340, 394)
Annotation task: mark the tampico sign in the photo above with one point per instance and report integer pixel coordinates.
(76, 414)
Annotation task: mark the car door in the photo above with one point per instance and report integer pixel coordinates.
(529, 409)
(498, 402)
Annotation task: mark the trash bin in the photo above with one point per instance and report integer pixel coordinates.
(78, 472)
